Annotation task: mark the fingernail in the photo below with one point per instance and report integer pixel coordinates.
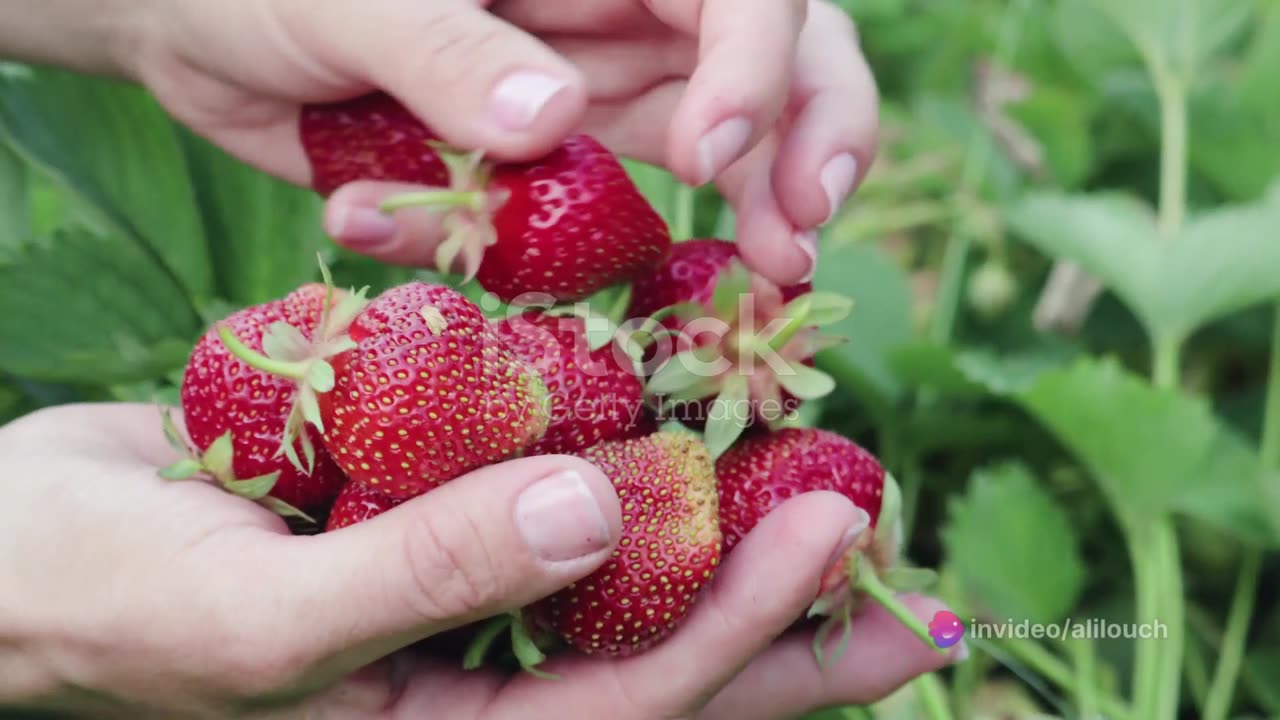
(808, 242)
(520, 96)
(560, 518)
(721, 146)
(851, 536)
(360, 226)
(837, 180)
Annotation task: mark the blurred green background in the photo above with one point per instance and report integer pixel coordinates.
(1066, 263)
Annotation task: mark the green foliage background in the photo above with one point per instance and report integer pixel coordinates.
(1124, 467)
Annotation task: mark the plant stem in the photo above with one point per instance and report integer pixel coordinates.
(682, 222)
(1269, 450)
(1173, 151)
(1166, 359)
(1047, 665)
(932, 697)
(1086, 693)
(1231, 657)
(875, 588)
(977, 156)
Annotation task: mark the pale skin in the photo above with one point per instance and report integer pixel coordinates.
(123, 595)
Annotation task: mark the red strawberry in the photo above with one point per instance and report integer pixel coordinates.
(224, 398)
(595, 394)
(763, 471)
(428, 393)
(369, 138)
(670, 548)
(566, 225)
(743, 350)
(356, 503)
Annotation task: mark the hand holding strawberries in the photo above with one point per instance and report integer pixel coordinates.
(770, 100)
(145, 598)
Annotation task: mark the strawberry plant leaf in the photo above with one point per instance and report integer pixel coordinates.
(1153, 450)
(1013, 547)
(262, 231)
(126, 321)
(806, 383)
(15, 199)
(123, 161)
(883, 320)
(729, 415)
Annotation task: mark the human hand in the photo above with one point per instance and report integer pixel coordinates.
(124, 595)
(771, 100)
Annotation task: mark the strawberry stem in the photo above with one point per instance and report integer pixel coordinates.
(794, 324)
(480, 644)
(254, 359)
(436, 200)
(870, 583)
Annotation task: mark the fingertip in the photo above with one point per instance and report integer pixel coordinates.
(354, 219)
(534, 110)
(767, 241)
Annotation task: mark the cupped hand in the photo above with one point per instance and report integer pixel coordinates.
(772, 100)
(125, 595)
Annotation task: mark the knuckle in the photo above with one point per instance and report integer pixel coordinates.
(453, 573)
(451, 46)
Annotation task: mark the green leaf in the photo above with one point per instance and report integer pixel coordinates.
(728, 416)
(1222, 261)
(15, 200)
(806, 383)
(1153, 450)
(1013, 547)
(218, 458)
(1180, 35)
(263, 233)
(883, 321)
(89, 308)
(113, 146)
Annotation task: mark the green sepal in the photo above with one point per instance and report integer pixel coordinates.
(320, 376)
(676, 374)
(843, 620)
(284, 509)
(285, 342)
(724, 424)
(820, 308)
(527, 651)
(479, 646)
(910, 579)
(218, 457)
(254, 488)
(447, 252)
(890, 511)
(171, 433)
(733, 283)
(806, 383)
(182, 470)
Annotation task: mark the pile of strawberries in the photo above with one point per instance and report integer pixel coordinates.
(331, 407)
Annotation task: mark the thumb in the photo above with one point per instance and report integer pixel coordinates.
(475, 79)
(495, 540)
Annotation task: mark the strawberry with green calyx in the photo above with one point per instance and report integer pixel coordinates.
(217, 463)
(595, 394)
(568, 224)
(221, 394)
(421, 390)
(746, 356)
(288, 353)
(669, 550)
(765, 470)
